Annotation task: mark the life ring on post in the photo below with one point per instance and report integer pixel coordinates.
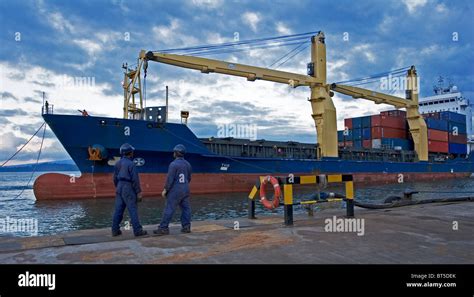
(276, 198)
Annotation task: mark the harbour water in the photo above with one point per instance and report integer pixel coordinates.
(55, 217)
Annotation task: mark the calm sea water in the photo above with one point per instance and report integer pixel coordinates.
(60, 216)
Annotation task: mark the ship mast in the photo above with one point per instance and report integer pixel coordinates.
(132, 85)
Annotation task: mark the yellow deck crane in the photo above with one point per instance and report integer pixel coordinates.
(324, 111)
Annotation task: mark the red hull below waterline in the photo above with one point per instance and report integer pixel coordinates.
(55, 186)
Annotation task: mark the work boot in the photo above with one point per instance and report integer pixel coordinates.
(161, 231)
(141, 233)
(116, 233)
(186, 229)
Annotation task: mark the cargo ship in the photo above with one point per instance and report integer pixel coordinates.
(374, 149)
(379, 151)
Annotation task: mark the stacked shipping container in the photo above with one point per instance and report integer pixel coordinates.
(389, 129)
(385, 130)
(446, 132)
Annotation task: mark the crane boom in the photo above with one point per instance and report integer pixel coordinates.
(377, 97)
(252, 73)
(416, 123)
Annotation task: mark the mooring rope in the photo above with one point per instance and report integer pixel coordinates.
(9, 159)
(36, 164)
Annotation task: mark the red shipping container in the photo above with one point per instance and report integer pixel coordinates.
(393, 122)
(375, 120)
(394, 113)
(437, 135)
(367, 143)
(438, 146)
(460, 138)
(348, 143)
(348, 123)
(385, 132)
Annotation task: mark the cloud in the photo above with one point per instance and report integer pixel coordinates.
(283, 29)
(60, 23)
(365, 49)
(43, 83)
(225, 107)
(386, 25)
(31, 100)
(121, 5)
(4, 121)
(9, 140)
(8, 95)
(91, 47)
(96, 47)
(171, 35)
(26, 129)
(441, 8)
(215, 38)
(71, 97)
(55, 19)
(16, 75)
(413, 5)
(252, 19)
(206, 4)
(12, 112)
(52, 149)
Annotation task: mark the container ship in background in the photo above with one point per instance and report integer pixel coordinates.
(375, 149)
(449, 98)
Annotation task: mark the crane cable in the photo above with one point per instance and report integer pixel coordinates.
(280, 39)
(395, 72)
(292, 56)
(236, 46)
(285, 55)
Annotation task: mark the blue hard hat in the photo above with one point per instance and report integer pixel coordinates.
(180, 149)
(126, 148)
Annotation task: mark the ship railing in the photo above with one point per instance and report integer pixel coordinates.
(320, 180)
(47, 109)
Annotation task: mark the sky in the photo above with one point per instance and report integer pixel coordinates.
(44, 45)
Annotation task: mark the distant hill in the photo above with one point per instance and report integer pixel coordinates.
(62, 165)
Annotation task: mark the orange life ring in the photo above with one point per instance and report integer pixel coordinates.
(276, 198)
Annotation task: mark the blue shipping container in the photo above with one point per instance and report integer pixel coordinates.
(366, 122)
(452, 117)
(340, 136)
(459, 127)
(356, 123)
(437, 124)
(392, 143)
(357, 143)
(457, 148)
(348, 135)
(366, 133)
(357, 134)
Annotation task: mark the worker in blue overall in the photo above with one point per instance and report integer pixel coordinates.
(176, 192)
(128, 191)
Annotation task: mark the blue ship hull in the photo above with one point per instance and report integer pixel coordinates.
(212, 173)
(154, 143)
